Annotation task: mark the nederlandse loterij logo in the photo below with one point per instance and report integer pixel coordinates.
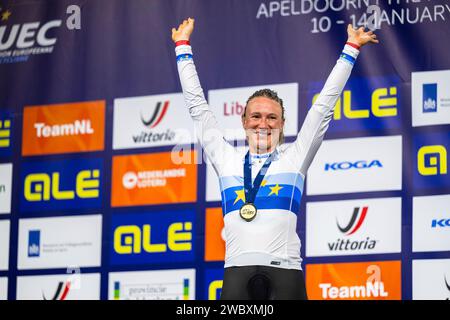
(34, 243)
(429, 101)
(61, 292)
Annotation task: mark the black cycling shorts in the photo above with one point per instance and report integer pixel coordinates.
(263, 283)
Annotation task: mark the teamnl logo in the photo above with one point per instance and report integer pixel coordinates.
(34, 243)
(151, 121)
(20, 41)
(351, 227)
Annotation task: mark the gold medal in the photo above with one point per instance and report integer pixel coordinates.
(248, 212)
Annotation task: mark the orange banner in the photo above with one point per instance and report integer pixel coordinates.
(380, 280)
(214, 243)
(150, 179)
(63, 128)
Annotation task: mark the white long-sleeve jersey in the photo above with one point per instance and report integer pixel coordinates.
(271, 239)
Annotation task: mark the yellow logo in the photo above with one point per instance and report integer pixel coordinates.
(5, 133)
(384, 104)
(437, 160)
(132, 239)
(214, 287)
(44, 187)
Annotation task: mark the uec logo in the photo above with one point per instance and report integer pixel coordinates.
(43, 186)
(133, 239)
(347, 165)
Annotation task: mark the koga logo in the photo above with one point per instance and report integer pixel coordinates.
(132, 239)
(62, 290)
(355, 223)
(432, 160)
(5, 133)
(44, 187)
(34, 243)
(153, 121)
(233, 109)
(149, 179)
(78, 127)
(384, 104)
(429, 97)
(440, 223)
(348, 165)
(19, 41)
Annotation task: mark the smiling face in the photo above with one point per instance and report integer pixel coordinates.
(263, 123)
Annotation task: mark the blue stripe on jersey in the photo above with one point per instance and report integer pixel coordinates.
(277, 196)
(348, 57)
(184, 56)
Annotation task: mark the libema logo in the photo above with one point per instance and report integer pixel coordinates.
(34, 243)
(348, 165)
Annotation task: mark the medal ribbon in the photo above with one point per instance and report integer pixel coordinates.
(249, 189)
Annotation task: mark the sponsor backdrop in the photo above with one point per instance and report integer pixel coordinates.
(104, 193)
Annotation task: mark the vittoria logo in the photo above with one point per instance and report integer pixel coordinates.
(61, 291)
(447, 285)
(157, 116)
(355, 223)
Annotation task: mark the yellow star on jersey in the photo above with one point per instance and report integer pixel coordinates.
(240, 195)
(5, 15)
(275, 189)
(263, 183)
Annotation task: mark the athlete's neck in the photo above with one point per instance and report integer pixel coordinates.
(260, 151)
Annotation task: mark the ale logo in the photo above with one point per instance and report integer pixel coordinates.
(157, 116)
(133, 239)
(152, 237)
(63, 184)
(432, 160)
(44, 187)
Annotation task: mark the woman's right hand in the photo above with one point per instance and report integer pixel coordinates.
(184, 30)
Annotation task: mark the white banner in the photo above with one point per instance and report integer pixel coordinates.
(149, 121)
(152, 285)
(4, 244)
(431, 223)
(352, 227)
(66, 242)
(431, 279)
(73, 286)
(5, 187)
(356, 165)
(430, 98)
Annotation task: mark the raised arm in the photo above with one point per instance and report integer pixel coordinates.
(319, 116)
(205, 123)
